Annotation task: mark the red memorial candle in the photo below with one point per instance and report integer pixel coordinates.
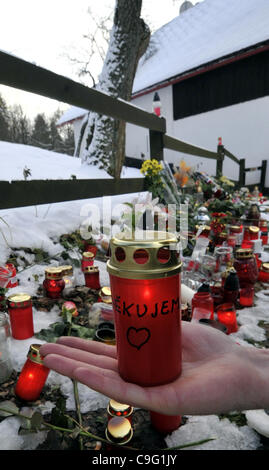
(264, 232)
(227, 315)
(87, 259)
(33, 376)
(203, 303)
(264, 273)
(92, 278)
(21, 316)
(145, 287)
(53, 283)
(246, 267)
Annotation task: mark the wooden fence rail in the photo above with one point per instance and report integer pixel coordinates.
(18, 73)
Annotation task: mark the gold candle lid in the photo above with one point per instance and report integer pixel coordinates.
(254, 229)
(19, 300)
(67, 270)
(91, 269)
(207, 228)
(34, 354)
(265, 267)
(88, 254)
(244, 253)
(153, 255)
(119, 430)
(116, 407)
(235, 228)
(105, 294)
(54, 272)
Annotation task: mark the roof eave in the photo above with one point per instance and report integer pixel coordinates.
(220, 62)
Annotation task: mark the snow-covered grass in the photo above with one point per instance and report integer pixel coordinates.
(41, 227)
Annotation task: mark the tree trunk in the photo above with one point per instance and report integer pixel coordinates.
(103, 143)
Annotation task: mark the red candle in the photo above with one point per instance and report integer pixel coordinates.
(145, 287)
(115, 408)
(246, 296)
(53, 283)
(264, 232)
(254, 232)
(264, 273)
(33, 376)
(87, 259)
(246, 267)
(227, 315)
(91, 275)
(165, 424)
(21, 316)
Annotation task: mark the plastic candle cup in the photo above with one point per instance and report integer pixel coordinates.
(246, 267)
(165, 424)
(21, 316)
(33, 376)
(115, 408)
(145, 287)
(53, 283)
(87, 259)
(246, 296)
(92, 278)
(226, 314)
(118, 431)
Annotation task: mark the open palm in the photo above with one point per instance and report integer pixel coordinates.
(215, 373)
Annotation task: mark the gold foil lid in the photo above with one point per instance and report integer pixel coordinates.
(34, 354)
(243, 253)
(88, 255)
(91, 269)
(19, 300)
(119, 407)
(67, 270)
(207, 228)
(105, 294)
(235, 228)
(152, 256)
(265, 267)
(254, 229)
(119, 430)
(54, 272)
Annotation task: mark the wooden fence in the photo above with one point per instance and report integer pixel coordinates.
(17, 73)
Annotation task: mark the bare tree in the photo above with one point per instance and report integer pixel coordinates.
(103, 142)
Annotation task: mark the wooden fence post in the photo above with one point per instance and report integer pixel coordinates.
(156, 144)
(242, 174)
(263, 174)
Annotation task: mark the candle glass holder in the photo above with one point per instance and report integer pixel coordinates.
(68, 278)
(92, 277)
(246, 267)
(6, 367)
(33, 376)
(53, 283)
(226, 314)
(21, 315)
(246, 296)
(87, 259)
(264, 273)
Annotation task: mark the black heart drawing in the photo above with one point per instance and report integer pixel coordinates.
(137, 337)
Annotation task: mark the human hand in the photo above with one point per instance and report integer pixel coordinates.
(218, 375)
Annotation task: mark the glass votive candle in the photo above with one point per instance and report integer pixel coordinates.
(21, 316)
(226, 314)
(92, 278)
(87, 259)
(264, 273)
(246, 296)
(53, 283)
(33, 376)
(68, 278)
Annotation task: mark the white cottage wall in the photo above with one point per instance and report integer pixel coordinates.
(244, 129)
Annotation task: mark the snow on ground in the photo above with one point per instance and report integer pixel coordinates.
(40, 227)
(45, 164)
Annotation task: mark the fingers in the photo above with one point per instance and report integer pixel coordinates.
(113, 386)
(78, 355)
(88, 345)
